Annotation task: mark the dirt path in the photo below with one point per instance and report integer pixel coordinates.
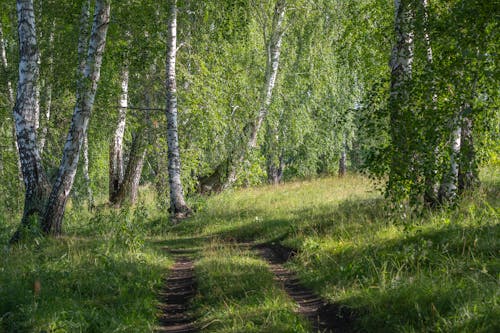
(324, 316)
(179, 288)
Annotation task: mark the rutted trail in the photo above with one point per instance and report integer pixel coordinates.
(180, 287)
(324, 316)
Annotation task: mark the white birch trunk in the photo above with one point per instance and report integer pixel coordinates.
(449, 186)
(85, 94)
(116, 171)
(178, 206)
(273, 47)
(401, 72)
(48, 92)
(86, 175)
(36, 184)
(10, 96)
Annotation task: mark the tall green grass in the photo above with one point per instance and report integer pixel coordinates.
(102, 276)
(435, 271)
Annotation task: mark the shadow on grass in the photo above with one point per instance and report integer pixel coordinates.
(85, 286)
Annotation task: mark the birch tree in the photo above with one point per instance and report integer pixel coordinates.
(273, 52)
(37, 188)
(178, 206)
(10, 98)
(401, 73)
(116, 168)
(85, 94)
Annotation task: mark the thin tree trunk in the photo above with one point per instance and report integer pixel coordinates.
(48, 97)
(35, 181)
(343, 158)
(10, 95)
(449, 186)
(273, 47)
(116, 171)
(273, 151)
(85, 94)
(86, 175)
(468, 176)
(129, 187)
(178, 206)
(431, 193)
(401, 72)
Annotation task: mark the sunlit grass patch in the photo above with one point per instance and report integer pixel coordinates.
(237, 293)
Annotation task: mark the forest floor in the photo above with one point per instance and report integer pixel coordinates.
(299, 257)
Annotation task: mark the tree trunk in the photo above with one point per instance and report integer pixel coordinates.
(85, 94)
(468, 176)
(401, 72)
(35, 181)
(86, 175)
(178, 206)
(116, 171)
(273, 152)
(48, 97)
(431, 191)
(449, 186)
(10, 96)
(129, 187)
(343, 158)
(273, 47)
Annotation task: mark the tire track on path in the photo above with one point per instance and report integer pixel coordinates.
(179, 289)
(325, 317)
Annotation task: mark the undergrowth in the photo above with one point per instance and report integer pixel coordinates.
(101, 276)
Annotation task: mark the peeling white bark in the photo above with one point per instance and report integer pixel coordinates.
(36, 184)
(85, 94)
(178, 206)
(116, 171)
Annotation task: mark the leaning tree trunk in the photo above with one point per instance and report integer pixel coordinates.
(10, 96)
(401, 72)
(116, 171)
(35, 181)
(273, 46)
(178, 206)
(85, 94)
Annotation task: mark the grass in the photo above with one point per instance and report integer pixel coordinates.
(102, 276)
(238, 294)
(433, 272)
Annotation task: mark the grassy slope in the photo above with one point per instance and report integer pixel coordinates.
(437, 272)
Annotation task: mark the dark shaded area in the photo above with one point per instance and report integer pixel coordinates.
(180, 288)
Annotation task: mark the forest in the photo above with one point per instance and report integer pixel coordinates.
(249, 166)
